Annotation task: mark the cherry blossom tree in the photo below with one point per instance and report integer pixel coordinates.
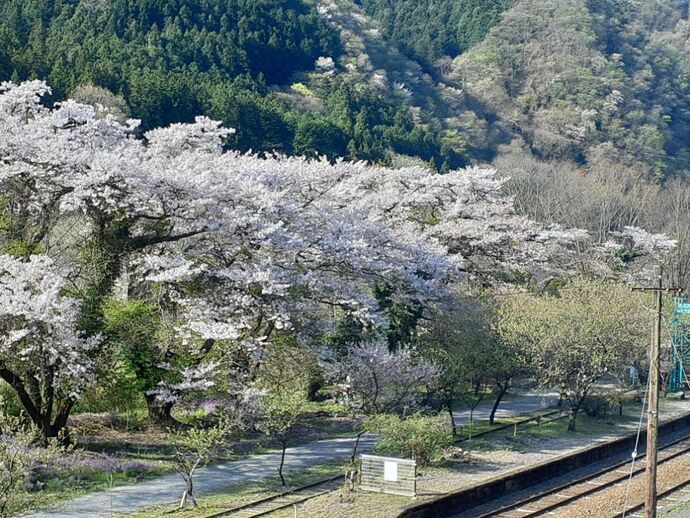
(45, 360)
(372, 380)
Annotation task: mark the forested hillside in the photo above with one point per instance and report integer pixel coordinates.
(159, 53)
(571, 80)
(578, 80)
(427, 30)
(443, 81)
(265, 67)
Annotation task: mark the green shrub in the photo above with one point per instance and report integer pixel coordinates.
(603, 404)
(421, 437)
(596, 405)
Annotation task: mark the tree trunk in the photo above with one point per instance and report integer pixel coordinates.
(354, 449)
(50, 426)
(502, 389)
(665, 385)
(190, 490)
(48, 431)
(282, 463)
(57, 428)
(449, 406)
(574, 410)
(160, 415)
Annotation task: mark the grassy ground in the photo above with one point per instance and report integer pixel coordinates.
(680, 510)
(69, 476)
(586, 426)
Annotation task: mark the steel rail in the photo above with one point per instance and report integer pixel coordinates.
(563, 500)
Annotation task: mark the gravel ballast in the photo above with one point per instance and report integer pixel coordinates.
(610, 501)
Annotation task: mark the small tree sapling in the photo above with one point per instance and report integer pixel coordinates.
(284, 376)
(193, 448)
(283, 409)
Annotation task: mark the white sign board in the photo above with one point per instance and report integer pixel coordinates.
(390, 471)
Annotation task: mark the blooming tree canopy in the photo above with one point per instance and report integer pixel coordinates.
(42, 357)
(373, 380)
(243, 245)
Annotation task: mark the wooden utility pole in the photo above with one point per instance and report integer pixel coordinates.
(653, 396)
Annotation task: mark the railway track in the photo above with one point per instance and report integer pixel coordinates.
(282, 500)
(557, 498)
(667, 498)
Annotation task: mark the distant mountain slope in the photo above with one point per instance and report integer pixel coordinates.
(571, 79)
(445, 81)
(370, 56)
(427, 30)
(580, 79)
(156, 53)
(269, 68)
